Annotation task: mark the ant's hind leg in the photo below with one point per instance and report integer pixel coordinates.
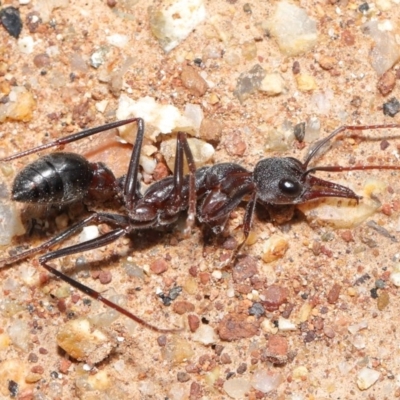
(97, 218)
(101, 241)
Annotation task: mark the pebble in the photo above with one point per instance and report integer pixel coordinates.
(210, 130)
(10, 223)
(383, 300)
(277, 350)
(286, 325)
(266, 381)
(177, 350)
(292, 28)
(82, 341)
(182, 307)
(194, 322)
(386, 83)
(20, 107)
(171, 21)
(300, 373)
(274, 248)
(236, 326)
(366, 377)
(237, 388)
(306, 83)
(245, 268)
(272, 84)
(333, 294)
(327, 62)
(11, 20)
(158, 266)
(88, 233)
(273, 297)
(392, 107)
(249, 82)
(193, 81)
(395, 275)
(205, 334)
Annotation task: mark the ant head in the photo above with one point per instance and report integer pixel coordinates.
(287, 181)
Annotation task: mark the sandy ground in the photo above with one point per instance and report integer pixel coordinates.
(335, 287)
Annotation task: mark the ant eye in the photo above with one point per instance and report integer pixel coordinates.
(289, 187)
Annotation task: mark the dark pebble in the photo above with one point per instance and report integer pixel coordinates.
(392, 107)
(242, 368)
(183, 377)
(13, 388)
(11, 21)
(363, 8)
(257, 309)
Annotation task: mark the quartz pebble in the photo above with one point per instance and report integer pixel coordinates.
(82, 341)
(11, 20)
(272, 84)
(20, 107)
(366, 377)
(10, 223)
(193, 81)
(386, 51)
(274, 248)
(294, 31)
(236, 388)
(171, 21)
(205, 335)
(159, 118)
(265, 381)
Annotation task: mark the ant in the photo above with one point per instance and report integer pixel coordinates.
(208, 193)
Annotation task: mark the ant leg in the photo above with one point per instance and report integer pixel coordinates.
(325, 140)
(192, 184)
(98, 218)
(101, 241)
(73, 138)
(176, 202)
(247, 222)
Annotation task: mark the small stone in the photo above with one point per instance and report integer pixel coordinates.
(294, 31)
(327, 63)
(171, 21)
(193, 81)
(234, 144)
(274, 296)
(366, 377)
(392, 107)
(11, 20)
(37, 369)
(300, 373)
(210, 130)
(286, 325)
(158, 266)
(236, 326)
(277, 350)
(242, 368)
(383, 299)
(84, 342)
(248, 82)
(105, 277)
(32, 378)
(162, 340)
(333, 294)
(272, 84)
(183, 377)
(245, 268)
(306, 83)
(183, 307)
(205, 335)
(237, 388)
(226, 358)
(194, 322)
(41, 60)
(257, 309)
(33, 358)
(275, 247)
(387, 83)
(347, 236)
(64, 365)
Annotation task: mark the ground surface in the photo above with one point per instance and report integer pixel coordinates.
(333, 286)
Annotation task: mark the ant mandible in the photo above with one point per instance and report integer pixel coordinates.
(208, 193)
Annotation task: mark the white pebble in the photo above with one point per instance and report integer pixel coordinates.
(217, 274)
(286, 325)
(294, 31)
(173, 20)
(205, 334)
(118, 40)
(26, 45)
(272, 84)
(237, 388)
(367, 377)
(353, 329)
(265, 381)
(88, 233)
(10, 223)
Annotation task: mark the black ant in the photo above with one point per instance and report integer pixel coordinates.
(208, 193)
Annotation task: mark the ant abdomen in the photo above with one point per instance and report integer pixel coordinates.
(56, 178)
